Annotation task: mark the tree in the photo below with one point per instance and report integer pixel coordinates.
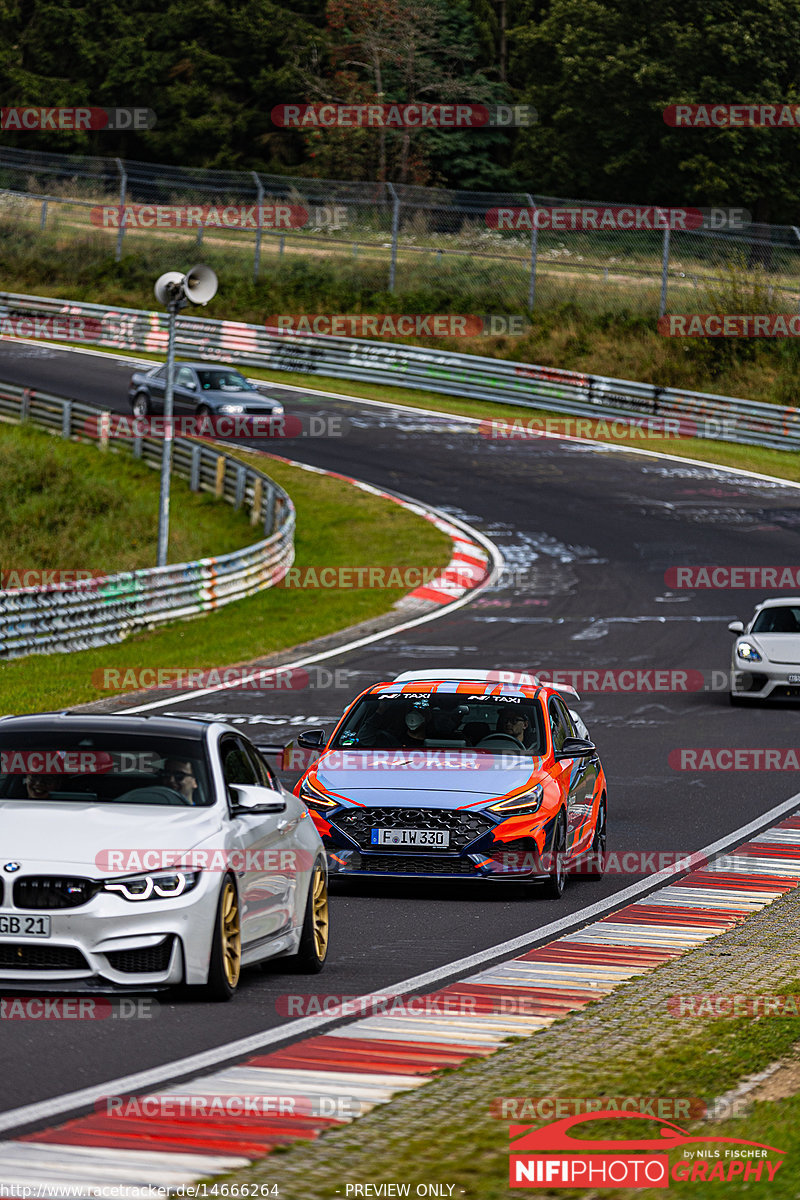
(602, 73)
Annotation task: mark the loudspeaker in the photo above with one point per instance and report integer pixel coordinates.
(200, 284)
(166, 285)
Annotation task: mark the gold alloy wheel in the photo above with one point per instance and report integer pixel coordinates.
(319, 913)
(231, 934)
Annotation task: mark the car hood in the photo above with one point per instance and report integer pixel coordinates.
(72, 834)
(430, 786)
(777, 647)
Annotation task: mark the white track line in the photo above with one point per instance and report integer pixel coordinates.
(71, 1101)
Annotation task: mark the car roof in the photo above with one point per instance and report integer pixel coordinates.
(204, 366)
(72, 722)
(473, 682)
(778, 602)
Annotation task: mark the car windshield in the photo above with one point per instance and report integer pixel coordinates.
(108, 768)
(784, 618)
(223, 381)
(495, 724)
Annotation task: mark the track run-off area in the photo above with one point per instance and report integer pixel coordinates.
(588, 534)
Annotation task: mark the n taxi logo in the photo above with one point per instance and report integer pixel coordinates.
(551, 1155)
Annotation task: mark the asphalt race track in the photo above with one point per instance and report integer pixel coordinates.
(591, 532)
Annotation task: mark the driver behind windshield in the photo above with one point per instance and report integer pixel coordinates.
(178, 774)
(515, 724)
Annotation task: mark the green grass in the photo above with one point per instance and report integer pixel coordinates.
(576, 325)
(445, 1130)
(70, 506)
(336, 525)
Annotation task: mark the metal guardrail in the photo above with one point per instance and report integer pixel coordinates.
(721, 418)
(68, 616)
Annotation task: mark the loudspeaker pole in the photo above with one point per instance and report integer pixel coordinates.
(175, 290)
(175, 305)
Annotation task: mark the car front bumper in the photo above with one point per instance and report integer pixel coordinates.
(114, 944)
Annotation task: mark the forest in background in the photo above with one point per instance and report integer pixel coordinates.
(598, 74)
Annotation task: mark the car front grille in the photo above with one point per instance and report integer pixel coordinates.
(25, 956)
(148, 960)
(53, 891)
(464, 827)
(416, 864)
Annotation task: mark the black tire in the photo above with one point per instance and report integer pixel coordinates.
(553, 888)
(202, 410)
(597, 849)
(313, 949)
(141, 405)
(225, 966)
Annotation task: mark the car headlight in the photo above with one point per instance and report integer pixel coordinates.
(160, 885)
(231, 408)
(526, 802)
(317, 799)
(277, 411)
(747, 652)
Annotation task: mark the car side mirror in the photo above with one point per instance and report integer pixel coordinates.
(256, 801)
(576, 748)
(736, 627)
(312, 739)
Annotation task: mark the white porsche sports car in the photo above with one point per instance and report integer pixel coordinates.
(765, 662)
(143, 852)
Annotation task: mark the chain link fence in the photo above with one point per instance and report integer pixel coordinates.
(496, 251)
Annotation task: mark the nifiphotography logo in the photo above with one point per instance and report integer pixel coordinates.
(551, 1155)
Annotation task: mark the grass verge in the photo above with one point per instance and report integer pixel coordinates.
(623, 343)
(445, 1131)
(337, 525)
(65, 506)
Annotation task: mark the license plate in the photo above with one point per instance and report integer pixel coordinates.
(793, 678)
(16, 925)
(440, 838)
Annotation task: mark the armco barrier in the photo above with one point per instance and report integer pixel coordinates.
(64, 617)
(465, 375)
